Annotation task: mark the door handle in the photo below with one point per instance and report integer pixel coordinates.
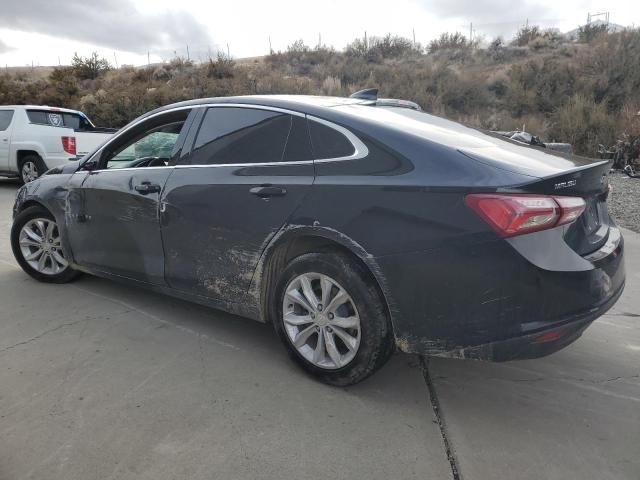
(146, 188)
(265, 191)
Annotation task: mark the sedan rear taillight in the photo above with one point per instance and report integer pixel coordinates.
(69, 145)
(513, 214)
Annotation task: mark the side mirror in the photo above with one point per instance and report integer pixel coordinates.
(89, 165)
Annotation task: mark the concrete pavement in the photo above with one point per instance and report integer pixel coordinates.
(572, 415)
(100, 380)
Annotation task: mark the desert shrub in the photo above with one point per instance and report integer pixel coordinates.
(393, 46)
(496, 49)
(589, 32)
(630, 120)
(61, 88)
(526, 34)
(222, 67)
(560, 90)
(540, 85)
(331, 86)
(88, 68)
(450, 41)
(300, 59)
(585, 124)
(498, 83)
(377, 49)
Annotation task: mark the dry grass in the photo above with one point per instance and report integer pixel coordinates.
(560, 90)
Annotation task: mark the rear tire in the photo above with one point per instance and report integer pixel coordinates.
(347, 339)
(30, 167)
(35, 241)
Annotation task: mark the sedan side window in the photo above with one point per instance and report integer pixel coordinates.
(232, 135)
(156, 145)
(153, 143)
(328, 142)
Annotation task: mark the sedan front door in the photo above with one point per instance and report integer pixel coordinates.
(113, 217)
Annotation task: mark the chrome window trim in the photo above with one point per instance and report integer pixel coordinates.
(127, 169)
(360, 149)
(254, 107)
(122, 131)
(242, 165)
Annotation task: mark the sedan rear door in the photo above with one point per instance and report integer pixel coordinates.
(248, 171)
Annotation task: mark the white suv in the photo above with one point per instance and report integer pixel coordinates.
(34, 139)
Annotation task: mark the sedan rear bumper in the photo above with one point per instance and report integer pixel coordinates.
(501, 300)
(539, 344)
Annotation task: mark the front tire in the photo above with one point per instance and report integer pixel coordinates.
(36, 245)
(30, 168)
(331, 317)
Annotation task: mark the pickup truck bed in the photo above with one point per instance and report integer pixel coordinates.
(34, 139)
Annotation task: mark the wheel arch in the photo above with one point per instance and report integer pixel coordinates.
(292, 242)
(21, 154)
(32, 203)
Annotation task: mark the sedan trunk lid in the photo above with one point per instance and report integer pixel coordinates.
(559, 175)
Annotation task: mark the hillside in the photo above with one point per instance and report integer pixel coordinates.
(585, 92)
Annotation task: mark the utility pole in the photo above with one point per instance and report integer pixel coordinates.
(319, 40)
(270, 47)
(188, 55)
(366, 46)
(228, 51)
(148, 58)
(470, 32)
(115, 58)
(414, 38)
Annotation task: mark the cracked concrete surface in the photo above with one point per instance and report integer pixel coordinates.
(103, 381)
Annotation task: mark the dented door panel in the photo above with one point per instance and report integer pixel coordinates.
(114, 228)
(214, 228)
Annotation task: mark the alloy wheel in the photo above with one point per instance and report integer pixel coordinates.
(321, 320)
(41, 247)
(29, 172)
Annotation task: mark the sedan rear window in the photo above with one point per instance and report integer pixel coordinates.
(5, 119)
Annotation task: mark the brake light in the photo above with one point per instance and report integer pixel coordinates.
(69, 145)
(513, 214)
(572, 208)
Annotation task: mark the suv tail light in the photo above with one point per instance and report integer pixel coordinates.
(69, 145)
(512, 214)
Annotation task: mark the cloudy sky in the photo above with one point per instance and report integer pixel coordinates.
(48, 32)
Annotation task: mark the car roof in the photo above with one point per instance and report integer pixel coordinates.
(301, 103)
(41, 107)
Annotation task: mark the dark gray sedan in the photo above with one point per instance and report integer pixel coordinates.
(355, 226)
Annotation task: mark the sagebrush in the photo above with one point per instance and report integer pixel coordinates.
(580, 92)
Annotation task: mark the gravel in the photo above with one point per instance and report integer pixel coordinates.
(624, 200)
